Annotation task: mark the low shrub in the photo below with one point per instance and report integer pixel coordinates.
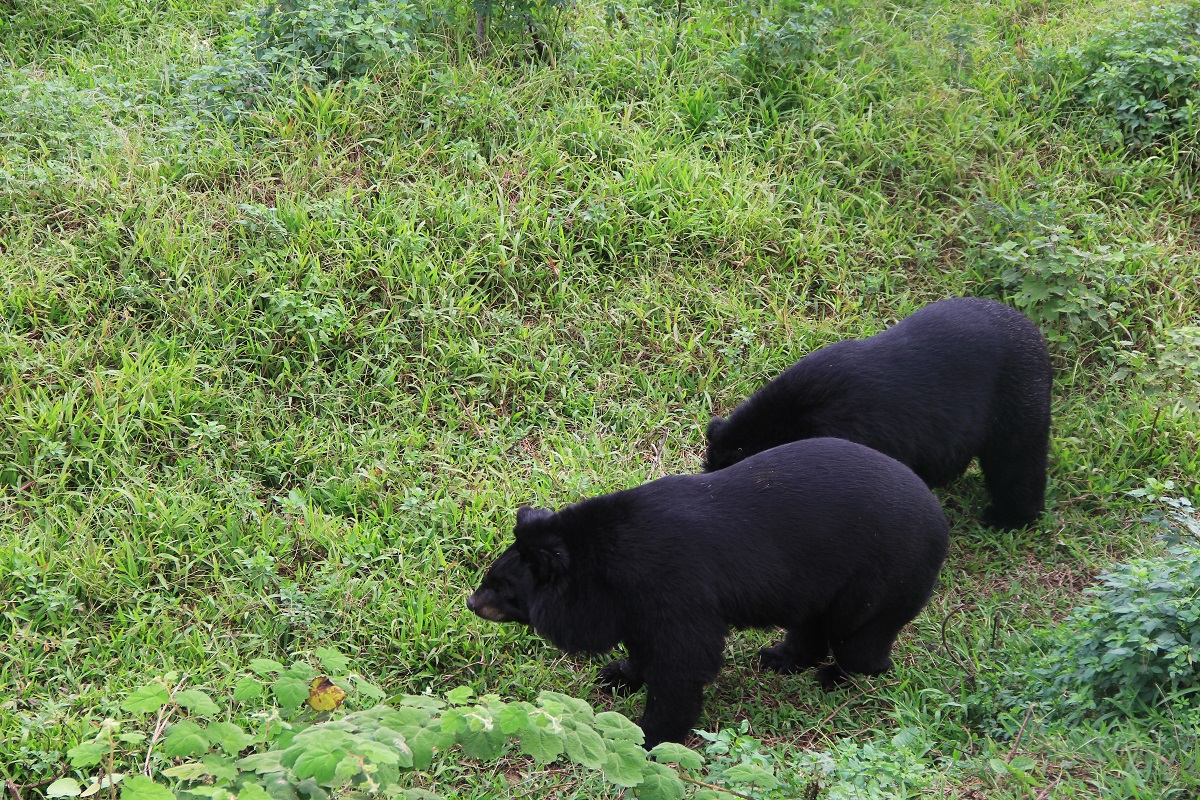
(1133, 647)
(313, 42)
(1141, 77)
(1074, 287)
(780, 45)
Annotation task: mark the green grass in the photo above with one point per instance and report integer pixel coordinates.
(281, 384)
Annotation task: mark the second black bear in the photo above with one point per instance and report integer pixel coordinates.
(960, 378)
(835, 542)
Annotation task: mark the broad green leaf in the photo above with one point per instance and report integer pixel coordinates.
(541, 743)
(577, 707)
(210, 791)
(420, 794)
(369, 689)
(659, 783)
(280, 789)
(748, 773)
(88, 754)
(262, 763)
(264, 667)
(229, 737)
(712, 794)
(677, 754)
(514, 717)
(332, 660)
(405, 720)
(347, 768)
(460, 695)
(291, 692)
(139, 787)
(197, 702)
(185, 740)
(247, 688)
(483, 745)
(425, 742)
(1022, 764)
(103, 784)
(391, 750)
(615, 726)
(220, 766)
(146, 700)
(422, 701)
(453, 720)
(624, 763)
(318, 760)
(998, 766)
(311, 790)
(252, 791)
(64, 787)
(584, 746)
(187, 772)
(302, 671)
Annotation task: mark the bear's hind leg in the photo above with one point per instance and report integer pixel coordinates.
(623, 675)
(804, 647)
(1015, 473)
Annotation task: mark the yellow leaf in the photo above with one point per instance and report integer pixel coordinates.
(323, 695)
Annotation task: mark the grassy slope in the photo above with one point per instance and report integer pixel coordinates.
(230, 431)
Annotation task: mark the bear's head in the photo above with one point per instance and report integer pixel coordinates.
(719, 456)
(535, 559)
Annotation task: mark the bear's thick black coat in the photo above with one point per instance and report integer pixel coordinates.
(960, 378)
(836, 543)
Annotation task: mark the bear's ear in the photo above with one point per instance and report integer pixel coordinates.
(714, 427)
(526, 514)
(546, 554)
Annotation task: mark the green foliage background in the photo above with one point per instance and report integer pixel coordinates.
(287, 334)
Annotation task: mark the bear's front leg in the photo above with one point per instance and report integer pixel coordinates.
(676, 665)
(672, 710)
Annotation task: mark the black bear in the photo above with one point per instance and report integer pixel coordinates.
(832, 541)
(960, 378)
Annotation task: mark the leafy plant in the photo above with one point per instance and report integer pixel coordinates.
(311, 41)
(780, 46)
(338, 38)
(1135, 642)
(1142, 77)
(874, 770)
(302, 743)
(1072, 290)
(1042, 266)
(1174, 515)
(1171, 366)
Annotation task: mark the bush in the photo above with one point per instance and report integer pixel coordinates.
(337, 38)
(1131, 647)
(1136, 641)
(288, 734)
(1056, 276)
(311, 41)
(780, 46)
(1142, 78)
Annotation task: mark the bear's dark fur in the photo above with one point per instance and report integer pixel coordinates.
(960, 378)
(836, 543)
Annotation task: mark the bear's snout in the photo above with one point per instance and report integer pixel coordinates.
(483, 603)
